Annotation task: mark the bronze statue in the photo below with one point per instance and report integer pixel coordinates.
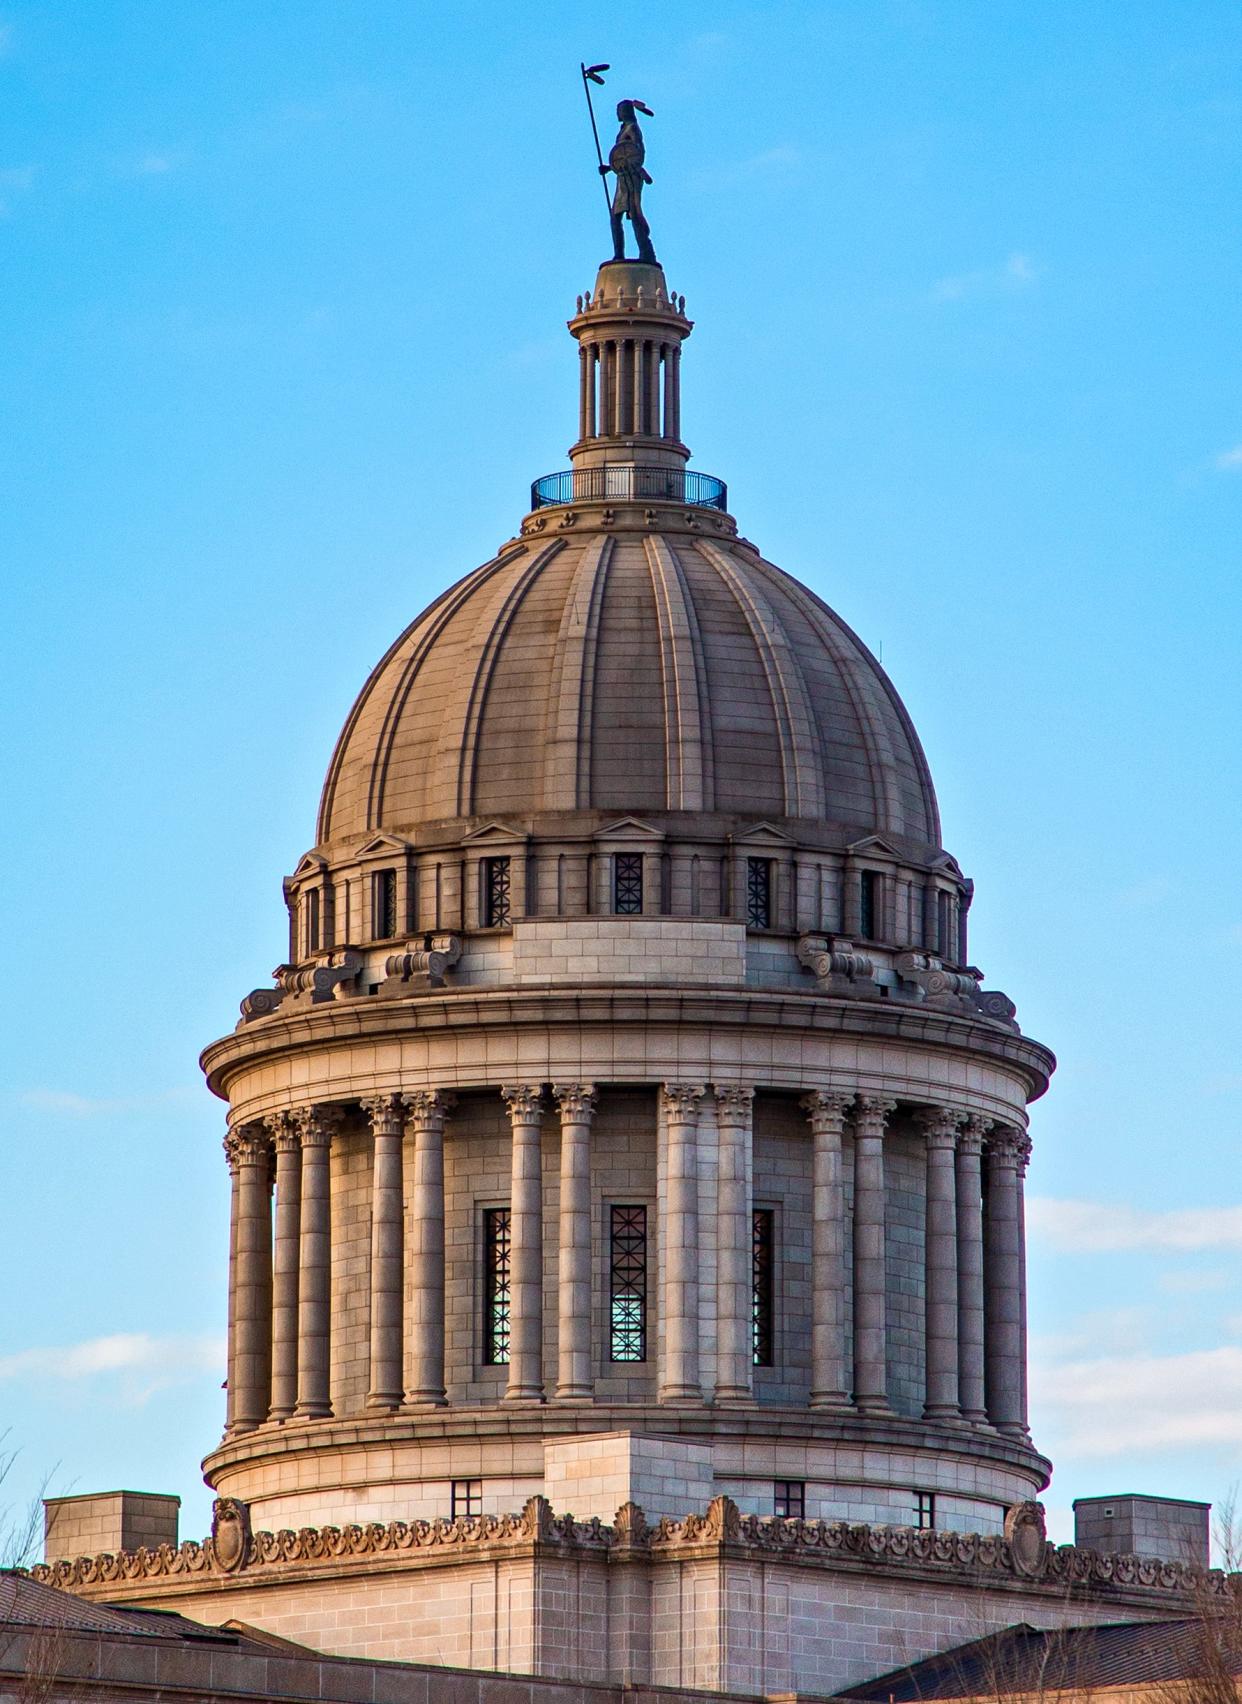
(625, 159)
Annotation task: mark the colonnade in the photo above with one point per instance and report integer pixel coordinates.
(619, 393)
(974, 1257)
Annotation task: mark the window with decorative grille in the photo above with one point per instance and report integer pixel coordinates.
(465, 1498)
(496, 1270)
(924, 1510)
(627, 1296)
(497, 893)
(763, 1296)
(759, 893)
(312, 921)
(789, 1499)
(869, 905)
(384, 904)
(627, 883)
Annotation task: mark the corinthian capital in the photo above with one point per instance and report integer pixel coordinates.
(826, 1110)
(283, 1131)
(940, 1125)
(426, 1109)
(871, 1114)
(734, 1102)
(317, 1123)
(1008, 1146)
(246, 1145)
(681, 1102)
(525, 1102)
(384, 1114)
(576, 1101)
(972, 1135)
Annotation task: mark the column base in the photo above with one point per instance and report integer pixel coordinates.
(524, 1393)
(874, 1407)
(681, 1393)
(831, 1402)
(312, 1411)
(944, 1413)
(424, 1399)
(278, 1416)
(733, 1396)
(575, 1393)
(383, 1402)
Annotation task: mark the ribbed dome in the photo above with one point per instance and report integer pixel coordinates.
(629, 672)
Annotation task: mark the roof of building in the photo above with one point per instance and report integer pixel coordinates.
(637, 673)
(1023, 1659)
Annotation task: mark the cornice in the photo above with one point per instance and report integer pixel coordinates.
(472, 1009)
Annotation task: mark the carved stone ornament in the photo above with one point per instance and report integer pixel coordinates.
(871, 1114)
(630, 1525)
(939, 1125)
(384, 1114)
(1027, 1537)
(971, 1137)
(525, 1102)
(576, 1101)
(734, 1102)
(681, 1102)
(247, 1145)
(230, 1534)
(426, 1109)
(826, 1110)
(261, 1003)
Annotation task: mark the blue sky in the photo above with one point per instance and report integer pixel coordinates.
(282, 334)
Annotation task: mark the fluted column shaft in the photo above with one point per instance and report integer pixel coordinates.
(734, 1247)
(1002, 1284)
(526, 1246)
(385, 1388)
(830, 1379)
(679, 1380)
(940, 1284)
(315, 1126)
(426, 1112)
(285, 1265)
(870, 1294)
(971, 1382)
(250, 1377)
(1024, 1155)
(574, 1381)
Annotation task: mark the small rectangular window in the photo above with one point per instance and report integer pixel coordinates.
(869, 905)
(466, 1498)
(627, 883)
(496, 1274)
(759, 893)
(763, 1298)
(312, 921)
(627, 1280)
(384, 905)
(789, 1499)
(497, 893)
(924, 1510)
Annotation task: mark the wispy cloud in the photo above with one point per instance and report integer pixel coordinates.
(96, 1106)
(143, 1363)
(780, 163)
(6, 38)
(1016, 273)
(1193, 1283)
(1116, 1405)
(1230, 461)
(1103, 1227)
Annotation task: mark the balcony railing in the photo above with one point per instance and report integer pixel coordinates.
(632, 482)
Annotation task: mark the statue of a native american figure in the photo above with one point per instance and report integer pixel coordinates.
(625, 158)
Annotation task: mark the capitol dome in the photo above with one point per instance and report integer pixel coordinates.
(649, 671)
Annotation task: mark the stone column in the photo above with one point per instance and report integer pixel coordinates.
(288, 1146)
(426, 1111)
(387, 1253)
(679, 1381)
(870, 1298)
(525, 1246)
(735, 1357)
(574, 1381)
(830, 1378)
(970, 1311)
(250, 1377)
(1003, 1282)
(1024, 1156)
(940, 1288)
(315, 1126)
(233, 1158)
